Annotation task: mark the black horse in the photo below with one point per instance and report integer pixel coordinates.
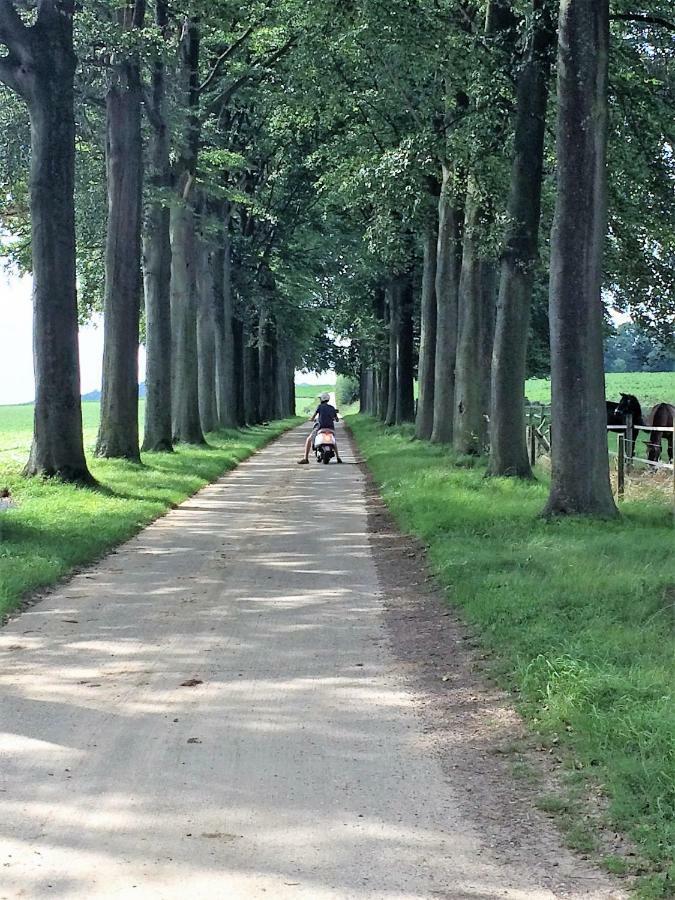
(616, 416)
(661, 416)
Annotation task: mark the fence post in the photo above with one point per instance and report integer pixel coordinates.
(620, 466)
(630, 449)
(533, 445)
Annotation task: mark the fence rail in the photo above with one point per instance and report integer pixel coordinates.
(539, 440)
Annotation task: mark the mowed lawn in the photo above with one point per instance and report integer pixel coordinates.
(56, 527)
(578, 620)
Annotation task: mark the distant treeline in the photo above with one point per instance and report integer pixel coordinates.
(629, 349)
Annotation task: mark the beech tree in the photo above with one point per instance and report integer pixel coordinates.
(301, 164)
(118, 430)
(580, 466)
(508, 453)
(158, 434)
(40, 67)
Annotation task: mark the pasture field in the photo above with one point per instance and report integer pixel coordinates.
(576, 619)
(57, 527)
(306, 397)
(649, 387)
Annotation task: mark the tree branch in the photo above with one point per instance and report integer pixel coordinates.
(150, 107)
(643, 19)
(13, 33)
(225, 55)
(254, 70)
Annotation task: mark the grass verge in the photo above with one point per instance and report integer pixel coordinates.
(579, 618)
(57, 527)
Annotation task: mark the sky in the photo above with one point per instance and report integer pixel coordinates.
(16, 347)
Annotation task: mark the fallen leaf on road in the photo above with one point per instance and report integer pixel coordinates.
(192, 682)
(194, 741)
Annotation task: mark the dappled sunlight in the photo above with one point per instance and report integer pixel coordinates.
(212, 711)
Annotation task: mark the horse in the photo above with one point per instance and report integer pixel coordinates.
(617, 412)
(661, 416)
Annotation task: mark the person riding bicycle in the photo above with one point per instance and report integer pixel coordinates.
(324, 418)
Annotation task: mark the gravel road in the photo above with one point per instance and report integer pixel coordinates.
(215, 711)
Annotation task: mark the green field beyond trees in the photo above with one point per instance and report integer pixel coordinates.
(577, 616)
(649, 387)
(57, 526)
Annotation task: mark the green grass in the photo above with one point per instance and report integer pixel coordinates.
(306, 397)
(649, 387)
(57, 527)
(577, 616)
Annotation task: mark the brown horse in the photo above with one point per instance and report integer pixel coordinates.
(661, 416)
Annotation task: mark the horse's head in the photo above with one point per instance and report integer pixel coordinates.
(653, 448)
(629, 405)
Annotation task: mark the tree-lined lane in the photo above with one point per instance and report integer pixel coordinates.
(214, 711)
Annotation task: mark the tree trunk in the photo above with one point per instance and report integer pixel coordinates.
(225, 363)
(157, 270)
(40, 67)
(392, 322)
(424, 421)
(291, 389)
(157, 280)
(118, 430)
(363, 375)
(476, 327)
(508, 450)
(488, 281)
(381, 388)
(206, 334)
(266, 353)
(580, 465)
(238, 371)
(446, 312)
(405, 376)
(185, 386)
(370, 391)
(251, 379)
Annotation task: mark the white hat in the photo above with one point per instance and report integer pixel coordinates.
(324, 397)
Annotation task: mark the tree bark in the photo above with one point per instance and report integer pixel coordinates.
(206, 332)
(185, 378)
(157, 269)
(580, 465)
(118, 429)
(40, 67)
(383, 391)
(281, 380)
(251, 379)
(446, 312)
(266, 367)
(185, 385)
(508, 450)
(393, 323)
(424, 421)
(476, 327)
(239, 372)
(225, 350)
(405, 376)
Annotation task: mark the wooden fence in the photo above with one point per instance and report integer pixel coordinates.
(539, 439)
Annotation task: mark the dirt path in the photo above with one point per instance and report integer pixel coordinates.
(218, 710)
